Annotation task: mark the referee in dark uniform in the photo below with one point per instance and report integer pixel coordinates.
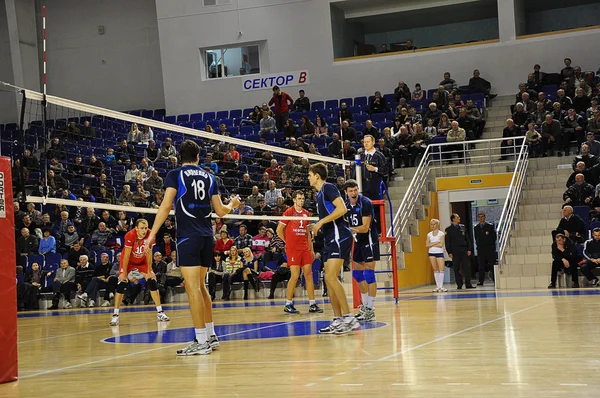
(374, 169)
(458, 246)
(485, 238)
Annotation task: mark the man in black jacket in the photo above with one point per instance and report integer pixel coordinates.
(374, 169)
(591, 252)
(485, 238)
(579, 194)
(459, 246)
(477, 84)
(571, 225)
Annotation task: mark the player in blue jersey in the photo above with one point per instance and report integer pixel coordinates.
(338, 242)
(194, 193)
(366, 248)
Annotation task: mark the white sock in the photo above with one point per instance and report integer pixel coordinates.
(364, 297)
(201, 335)
(159, 308)
(289, 302)
(116, 311)
(370, 302)
(210, 328)
(439, 279)
(312, 302)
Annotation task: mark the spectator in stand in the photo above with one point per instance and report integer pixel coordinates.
(524, 90)
(100, 238)
(546, 101)
(370, 129)
(449, 83)
(60, 226)
(564, 258)
(283, 103)
(539, 115)
(348, 151)
(64, 283)
(126, 197)
(56, 166)
(467, 123)
(321, 127)
(173, 164)
(243, 240)
(396, 127)
(260, 242)
(565, 101)
(594, 123)
(520, 118)
(47, 243)
(154, 183)
(334, 149)
(125, 154)
(105, 196)
(567, 72)
(456, 134)
(591, 252)
(474, 113)
(167, 151)
(345, 113)
(573, 127)
(534, 140)
(528, 104)
(507, 147)
(272, 194)
(420, 140)
(34, 215)
(552, 136)
(401, 91)
(140, 196)
(403, 117)
(444, 124)
(96, 167)
(254, 197)
(245, 187)
(146, 135)
(167, 246)
(210, 164)
(443, 96)
(348, 133)
(109, 221)
(56, 182)
(571, 225)
(223, 130)
(579, 194)
(579, 169)
(56, 150)
(404, 146)
(135, 135)
(151, 152)
(593, 145)
(378, 104)
(83, 273)
(307, 128)
(274, 170)
(68, 239)
(302, 103)
(384, 49)
(477, 84)
(557, 113)
(433, 113)
(591, 111)
(389, 156)
(581, 102)
(302, 146)
(267, 124)
(418, 94)
(537, 78)
(585, 157)
(224, 243)
(77, 168)
(133, 173)
(27, 244)
(290, 130)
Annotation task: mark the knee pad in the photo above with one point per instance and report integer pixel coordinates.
(370, 276)
(152, 285)
(358, 275)
(121, 287)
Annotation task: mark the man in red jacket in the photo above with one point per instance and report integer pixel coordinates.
(283, 103)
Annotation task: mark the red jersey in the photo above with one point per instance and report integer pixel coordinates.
(296, 230)
(137, 258)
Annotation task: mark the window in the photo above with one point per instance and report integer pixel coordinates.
(230, 61)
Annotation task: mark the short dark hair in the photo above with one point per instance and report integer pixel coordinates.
(301, 91)
(189, 151)
(275, 88)
(296, 193)
(350, 184)
(569, 59)
(320, 169)
(453, 216)
(166, 234)
(596, 230)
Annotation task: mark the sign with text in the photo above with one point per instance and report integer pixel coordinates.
(267, 82)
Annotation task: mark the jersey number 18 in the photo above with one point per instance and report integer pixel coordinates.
(199, 192)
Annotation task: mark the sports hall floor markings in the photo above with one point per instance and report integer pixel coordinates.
(279, 302)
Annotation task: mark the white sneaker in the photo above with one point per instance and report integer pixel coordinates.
(91, 304)
(115, 320)
(361, 311)
(213, 341)
(443, 290)
(436, 290)
(162, 317)
(111, 296)
(369, 315)
(331, 328)
(347, 325)
(82, 296)
(195, 348)
(68, 305)
(105, 304)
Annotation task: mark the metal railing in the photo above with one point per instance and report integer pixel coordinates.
(480, 155)
(512, 201)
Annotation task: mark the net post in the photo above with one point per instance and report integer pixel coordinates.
(8, 293)
(358, 168)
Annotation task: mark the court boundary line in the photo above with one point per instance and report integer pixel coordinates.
(148, 350)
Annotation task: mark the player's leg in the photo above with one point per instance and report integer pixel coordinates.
(334, 286)
(152, 284)
(120, 291)
(434, 268)
(440, 271)
(310, 288)
(291, 286)
(371, 281)
(192, 276)
(363, 287)
(208, 315)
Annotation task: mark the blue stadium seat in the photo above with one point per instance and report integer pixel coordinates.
(477, 97)
(317, 105)
(253, 137)
(595, 224)
(390, 116)
(348, 101)
(378, 117)
(147, 114)
(430, 92)
(295, 116)
(312, 115)
(331, 104)
(183, 118)
(52, 259)
(550, 89)
(227, 122)
(324, 151)
(584, 213)
(235, 114)
(209, 116)
(360, 101)
(247, 112)
(160, 112)
(170, 119)
(214, 123)
(195, 117)
(222, 114)
(199, 125)
(361, 118)
(35, 258)
(246, 130)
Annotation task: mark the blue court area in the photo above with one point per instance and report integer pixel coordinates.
(241, 331)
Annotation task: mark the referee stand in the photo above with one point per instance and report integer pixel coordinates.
(383, 238)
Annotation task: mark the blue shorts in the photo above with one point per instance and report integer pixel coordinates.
(196, 251)
(337, 250)
(365, 252)
(436, 255)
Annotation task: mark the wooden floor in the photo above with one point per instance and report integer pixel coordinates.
(459, 344)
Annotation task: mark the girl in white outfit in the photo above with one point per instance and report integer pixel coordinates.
(435, 244)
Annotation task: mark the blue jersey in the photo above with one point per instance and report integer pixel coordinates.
(338, 229)
(195, 189)
(363, 208)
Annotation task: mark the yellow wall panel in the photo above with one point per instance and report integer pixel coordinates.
(473, 182)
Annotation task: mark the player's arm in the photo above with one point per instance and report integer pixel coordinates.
(161, 216)
(364, 228)
(222, 209)
(339, 211)
(428, 242)
(150, 274)
(281, 231)
(310, 242)
(442, 241)
(125, 263)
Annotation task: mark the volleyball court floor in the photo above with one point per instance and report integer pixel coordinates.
(478, 343)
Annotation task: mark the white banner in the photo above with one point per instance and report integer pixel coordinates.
(266, 82)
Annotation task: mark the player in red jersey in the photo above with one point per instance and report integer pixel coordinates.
(136, 266)
(299, 251)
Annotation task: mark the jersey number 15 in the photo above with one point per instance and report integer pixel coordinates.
(354, 220)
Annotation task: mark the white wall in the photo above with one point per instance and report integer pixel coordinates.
(120, 69)
(298, 35)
